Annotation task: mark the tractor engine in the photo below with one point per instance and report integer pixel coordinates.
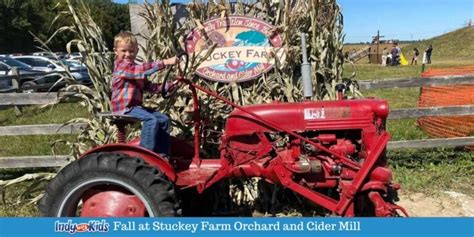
(314, 168)
(337, 145)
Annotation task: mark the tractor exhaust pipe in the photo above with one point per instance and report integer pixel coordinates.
(306, 71)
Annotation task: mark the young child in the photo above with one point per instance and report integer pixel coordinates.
(128, 83)
(415, 56)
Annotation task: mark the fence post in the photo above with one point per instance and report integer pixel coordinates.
(16, 86)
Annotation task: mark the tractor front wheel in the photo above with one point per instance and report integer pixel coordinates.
(109, 185)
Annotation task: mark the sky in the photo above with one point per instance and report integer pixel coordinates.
(399, 19)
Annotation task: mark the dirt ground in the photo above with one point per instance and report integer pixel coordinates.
(446, 204)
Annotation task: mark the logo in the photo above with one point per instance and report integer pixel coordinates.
(90, 226)
(327, 113)
(314, 113)
(246, 48)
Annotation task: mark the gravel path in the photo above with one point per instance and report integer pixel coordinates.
(446, 204)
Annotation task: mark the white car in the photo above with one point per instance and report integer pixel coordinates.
(41, 63)
(45, 64)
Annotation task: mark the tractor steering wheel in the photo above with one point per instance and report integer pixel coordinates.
(165, 93)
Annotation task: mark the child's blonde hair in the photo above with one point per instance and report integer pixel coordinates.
(125, 36)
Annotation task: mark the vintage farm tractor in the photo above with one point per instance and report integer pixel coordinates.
(330, 152)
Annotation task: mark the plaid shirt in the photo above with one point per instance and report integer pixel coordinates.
(129, 81)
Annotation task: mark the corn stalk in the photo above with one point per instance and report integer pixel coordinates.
(323, 26)
(98, 58)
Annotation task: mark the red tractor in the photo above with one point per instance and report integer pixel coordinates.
(330, 152)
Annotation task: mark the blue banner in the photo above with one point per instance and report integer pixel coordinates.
(228, 227)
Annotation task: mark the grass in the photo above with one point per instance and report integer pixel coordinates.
(33, 145)
(433, 170)
(367, 71)
(37, 144)
(36, 115)
(397, 97)
(453, 45)
(15, 204)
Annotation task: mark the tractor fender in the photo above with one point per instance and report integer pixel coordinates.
(148, 156)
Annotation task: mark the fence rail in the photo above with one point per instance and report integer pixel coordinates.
(51, 129)
(16, 99)
(432, 143)
(34, 161)
(61, 160)
(431, 111)
(41, 129)
(415, 82)
(40, 98)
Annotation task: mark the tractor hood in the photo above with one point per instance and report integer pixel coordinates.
(311, 115)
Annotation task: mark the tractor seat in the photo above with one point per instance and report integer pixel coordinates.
(121, 121)
(115, 118)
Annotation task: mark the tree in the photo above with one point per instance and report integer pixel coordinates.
(19, 18)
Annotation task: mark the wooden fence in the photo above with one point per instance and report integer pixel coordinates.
(14, 99)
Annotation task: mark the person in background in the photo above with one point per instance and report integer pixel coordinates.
(399, 52)
(128, 83)
(428, 51)
(416, 53)
(395, 54)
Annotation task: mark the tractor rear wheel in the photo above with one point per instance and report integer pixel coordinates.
(111, 175)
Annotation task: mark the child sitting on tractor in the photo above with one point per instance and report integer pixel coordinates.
(128, 83)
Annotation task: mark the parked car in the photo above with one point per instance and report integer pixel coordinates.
(28, 76)
(74, 56)
(78, 72)
(44, 54)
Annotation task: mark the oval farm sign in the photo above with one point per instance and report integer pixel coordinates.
(246, 48)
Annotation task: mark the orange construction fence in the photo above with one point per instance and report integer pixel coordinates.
(447, 126)
(449, 71)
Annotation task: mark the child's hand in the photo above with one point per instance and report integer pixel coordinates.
(170, 61)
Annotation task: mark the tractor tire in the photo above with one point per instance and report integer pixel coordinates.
(65, 192)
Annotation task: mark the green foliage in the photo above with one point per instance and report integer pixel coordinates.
(21, 17)
(109, 16)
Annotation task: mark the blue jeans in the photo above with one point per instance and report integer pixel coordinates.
(155, 133)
